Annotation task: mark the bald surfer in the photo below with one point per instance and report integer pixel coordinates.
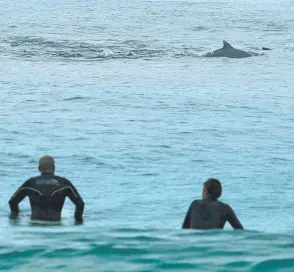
(47, 194)
(209, 213)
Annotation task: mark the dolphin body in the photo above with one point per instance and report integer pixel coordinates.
(230, 52)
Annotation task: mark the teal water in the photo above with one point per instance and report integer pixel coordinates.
(127, 249)
(137, 119)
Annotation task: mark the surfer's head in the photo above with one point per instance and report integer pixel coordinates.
(212, 189)
(46, 164)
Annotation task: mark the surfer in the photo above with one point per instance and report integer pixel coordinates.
(47, 194)
(209, 213)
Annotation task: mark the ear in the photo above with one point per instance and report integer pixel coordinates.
(204, 192)
(39, 168)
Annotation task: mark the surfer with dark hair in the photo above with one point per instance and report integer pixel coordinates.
(209, 213)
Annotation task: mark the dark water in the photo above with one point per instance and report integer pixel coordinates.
(121, 95)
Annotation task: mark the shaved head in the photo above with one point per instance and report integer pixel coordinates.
(46, 164)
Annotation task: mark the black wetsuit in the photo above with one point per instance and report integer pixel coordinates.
(208, 214)
(47, 195)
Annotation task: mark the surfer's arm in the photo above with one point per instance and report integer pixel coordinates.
(233, 220)
(187, 220)
(78, 201)
(18, 196)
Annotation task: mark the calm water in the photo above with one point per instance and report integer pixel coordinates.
(119, 93)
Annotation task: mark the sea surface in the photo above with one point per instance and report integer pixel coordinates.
(119, 92)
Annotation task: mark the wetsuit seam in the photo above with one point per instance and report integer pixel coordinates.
(66, 187)
(29, 188)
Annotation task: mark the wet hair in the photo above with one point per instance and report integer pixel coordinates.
(213, 188)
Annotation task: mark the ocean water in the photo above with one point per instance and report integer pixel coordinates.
(120, 94)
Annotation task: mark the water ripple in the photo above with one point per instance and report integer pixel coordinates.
(153, 250)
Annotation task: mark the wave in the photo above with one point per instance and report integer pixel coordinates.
(128, 249)
(77, 98)
(38, 47)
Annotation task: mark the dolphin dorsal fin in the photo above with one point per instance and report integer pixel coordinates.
(226, 45)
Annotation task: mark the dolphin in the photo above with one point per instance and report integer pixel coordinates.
(230, 52)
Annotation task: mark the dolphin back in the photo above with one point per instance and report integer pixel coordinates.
(229, 51)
